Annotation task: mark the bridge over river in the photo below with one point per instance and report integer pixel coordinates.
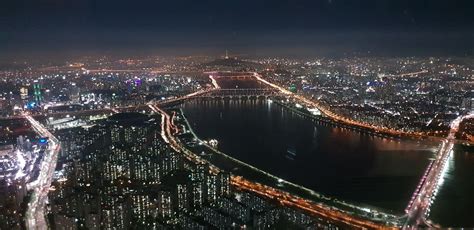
(220, 93)
(424, 195)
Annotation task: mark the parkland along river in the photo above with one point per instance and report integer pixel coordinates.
(353, 166)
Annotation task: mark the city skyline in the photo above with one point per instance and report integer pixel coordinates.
(326, 114)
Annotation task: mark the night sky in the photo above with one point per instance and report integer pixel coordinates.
(253, 27)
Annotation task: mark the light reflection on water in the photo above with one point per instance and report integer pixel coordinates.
(454, 203)
(339, 162)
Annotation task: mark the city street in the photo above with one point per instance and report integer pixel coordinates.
(36, 218)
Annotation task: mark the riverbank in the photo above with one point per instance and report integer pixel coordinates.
(350, 122)
(238, 167)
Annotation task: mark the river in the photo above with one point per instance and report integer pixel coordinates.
(454, 203)
(342, 163)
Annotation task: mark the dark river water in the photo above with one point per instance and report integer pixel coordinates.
(338, 162)
(454, 203)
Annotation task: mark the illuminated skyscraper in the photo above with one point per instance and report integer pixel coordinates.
(181, 196)
(165, 209)
(223, 180)
(118, 213)
(197, 194)
(211, 187)
(23, 93)
(37, 92)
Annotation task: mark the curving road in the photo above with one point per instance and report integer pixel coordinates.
(333, 115)
(282, 197)
(35, 215)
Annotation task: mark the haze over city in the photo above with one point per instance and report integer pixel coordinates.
(284, 28)
(331, 114)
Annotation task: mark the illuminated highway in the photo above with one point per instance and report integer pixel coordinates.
(284, 198)
(418, 206)
(333, 115)
(341, 206)
(186, 97)
(424, 195)
(214, 82)
(167, 130)
(35, 215)
(289, 200)
(416, 210)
